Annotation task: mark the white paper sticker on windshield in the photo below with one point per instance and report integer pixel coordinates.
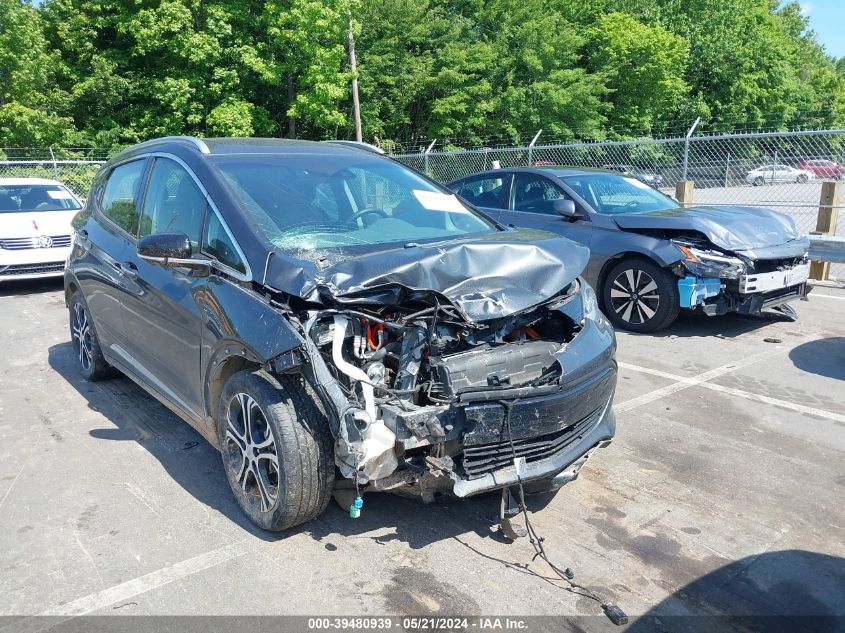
(436, 201)
(59, 194)
(637, 183)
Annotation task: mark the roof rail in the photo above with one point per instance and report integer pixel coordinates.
(367, 147)
(197, 143)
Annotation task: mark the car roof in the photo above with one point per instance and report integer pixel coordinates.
(23, 182)
(554, 170)
(235, 145)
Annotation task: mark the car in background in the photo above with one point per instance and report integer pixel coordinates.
(649, 178)
(35, 227)
(650, 257)
(824, 168)
(319, 311)
(769, 174)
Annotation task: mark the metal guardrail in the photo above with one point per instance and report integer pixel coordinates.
(827, 248)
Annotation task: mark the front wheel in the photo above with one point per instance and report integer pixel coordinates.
(802, 179)
(640, 296)
(759, 181)
(277, 449)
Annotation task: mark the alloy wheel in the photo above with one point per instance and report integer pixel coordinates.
(81, 335)
(634, 296)
(250, 451)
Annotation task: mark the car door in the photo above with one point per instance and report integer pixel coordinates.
(162, 317)
(104, 240)
(768, 173)
(784, 173)
(531, 204)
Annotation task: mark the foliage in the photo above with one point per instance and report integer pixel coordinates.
(107, 73)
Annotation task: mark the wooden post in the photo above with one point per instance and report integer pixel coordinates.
(683, 192)
(353, 66)
(826, 222)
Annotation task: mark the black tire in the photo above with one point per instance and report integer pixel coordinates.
(653, 302)
(759, 180)
(86, 346)
(802, 179)
(284, 422)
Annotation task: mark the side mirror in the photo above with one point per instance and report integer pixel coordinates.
(169, 249)
(161, 246)
(565, 208)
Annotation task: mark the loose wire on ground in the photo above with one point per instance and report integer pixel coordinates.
(613, 612)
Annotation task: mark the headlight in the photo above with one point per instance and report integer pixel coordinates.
(589, 303)
(710, 263)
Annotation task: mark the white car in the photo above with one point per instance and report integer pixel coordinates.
(768, 174)
(35, 230)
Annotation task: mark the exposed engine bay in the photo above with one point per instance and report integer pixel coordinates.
(427, 400)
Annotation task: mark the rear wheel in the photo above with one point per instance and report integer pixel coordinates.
(640, 296)
(802, 178)
(277, 449)
(86, 345)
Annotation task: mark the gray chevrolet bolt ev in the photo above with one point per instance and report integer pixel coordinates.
(323, 313)
(650, 257)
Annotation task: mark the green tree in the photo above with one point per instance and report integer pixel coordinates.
(30, 105)
(308, 39)
(644, 67)
(538, 74)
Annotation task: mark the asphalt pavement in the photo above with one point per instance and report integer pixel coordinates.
(723, 492)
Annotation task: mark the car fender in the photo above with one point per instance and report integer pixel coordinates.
(240, 327)
(608, 247)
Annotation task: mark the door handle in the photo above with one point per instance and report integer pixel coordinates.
(127, 268)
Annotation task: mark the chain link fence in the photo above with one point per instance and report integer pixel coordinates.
(778, 170)
(77, 175)
(75, 167)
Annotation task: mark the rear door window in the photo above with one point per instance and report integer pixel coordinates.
(120, 197)
(482, 192)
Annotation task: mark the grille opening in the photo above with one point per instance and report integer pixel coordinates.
(481, 459)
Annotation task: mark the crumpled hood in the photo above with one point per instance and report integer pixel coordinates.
(728, 227)
(486, 277)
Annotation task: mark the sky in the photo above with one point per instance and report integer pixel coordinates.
(827, 19)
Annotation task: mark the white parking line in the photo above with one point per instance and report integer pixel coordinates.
(821, 296)
(683, 382)
(740, 393)
(130, 588)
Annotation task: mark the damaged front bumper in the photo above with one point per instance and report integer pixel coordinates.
(715, 297)
(718, 283)
(482, 405)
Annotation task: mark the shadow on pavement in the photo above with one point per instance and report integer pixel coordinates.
(825, 357)
(196, 466)
(692, 325)
(30, 286)
(790, 591)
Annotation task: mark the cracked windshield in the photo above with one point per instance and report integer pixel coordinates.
(307, 202)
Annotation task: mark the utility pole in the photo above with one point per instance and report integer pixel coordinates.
(353, 65)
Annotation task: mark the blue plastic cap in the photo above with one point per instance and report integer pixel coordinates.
(358, 503)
